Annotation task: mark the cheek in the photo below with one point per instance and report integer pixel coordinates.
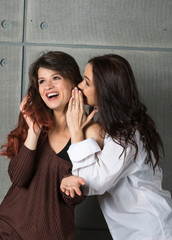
(67, 92)
(91, 97)
(40, 91)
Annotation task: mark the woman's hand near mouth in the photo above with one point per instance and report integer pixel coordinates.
(77, 119)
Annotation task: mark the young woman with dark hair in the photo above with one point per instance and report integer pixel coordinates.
(34, 207)
(125, 173)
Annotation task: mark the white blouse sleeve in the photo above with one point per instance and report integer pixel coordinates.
(99, 168)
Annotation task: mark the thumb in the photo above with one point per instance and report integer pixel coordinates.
(81, 181)
(90, 117)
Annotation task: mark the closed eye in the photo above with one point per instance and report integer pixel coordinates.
(87, 80)
(87, 83)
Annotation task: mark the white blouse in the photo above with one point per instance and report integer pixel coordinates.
(130, 193)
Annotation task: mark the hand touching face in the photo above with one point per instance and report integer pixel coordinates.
(87, 86)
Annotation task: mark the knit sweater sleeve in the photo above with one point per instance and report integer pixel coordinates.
(65, 169)
(73, 201)
(21, 167)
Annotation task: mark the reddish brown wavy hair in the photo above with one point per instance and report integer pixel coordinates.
(64, 64)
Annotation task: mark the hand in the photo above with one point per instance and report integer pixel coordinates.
(71, 185)
(32, 126)
(76, 116)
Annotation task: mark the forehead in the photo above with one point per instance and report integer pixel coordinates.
(88, 71)
(46, 71)
(88, 68)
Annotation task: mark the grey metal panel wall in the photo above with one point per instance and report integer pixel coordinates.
(10, 94)
(111, 22)
(139, 30)
(11, 20)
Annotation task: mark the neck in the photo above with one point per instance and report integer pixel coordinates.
(60, 121)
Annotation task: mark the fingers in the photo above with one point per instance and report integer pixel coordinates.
(71, 185)
(70, 105)
(71, 191)
(73, 101)
(62, 188)
(78, 102)
(81, 100)
(91, 115)
(81, 181)
(76, 98)
(78, 192)
(23, 103)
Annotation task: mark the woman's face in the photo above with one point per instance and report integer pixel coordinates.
(54, 90)
(87, 86)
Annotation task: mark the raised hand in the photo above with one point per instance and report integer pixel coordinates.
(71, 185)
(32, 126)
(33, 131)
(76, 116)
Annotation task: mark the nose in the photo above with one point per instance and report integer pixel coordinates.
(80, 85)
(49, 85)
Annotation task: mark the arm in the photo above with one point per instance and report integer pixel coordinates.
(64, 170)
(21, 166)
(100, 169)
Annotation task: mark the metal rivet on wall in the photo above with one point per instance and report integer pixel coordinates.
(5, 24)
(4, 62)
(44, 25)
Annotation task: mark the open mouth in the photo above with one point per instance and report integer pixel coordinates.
(52, 95)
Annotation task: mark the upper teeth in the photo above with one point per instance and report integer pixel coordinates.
(52, 94)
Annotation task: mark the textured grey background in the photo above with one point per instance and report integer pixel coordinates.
(140, 30)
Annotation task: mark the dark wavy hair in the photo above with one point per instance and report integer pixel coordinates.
(121, 112)
(58, 61)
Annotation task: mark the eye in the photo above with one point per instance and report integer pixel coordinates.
(86, 82)
(41, 81)
(56, 78)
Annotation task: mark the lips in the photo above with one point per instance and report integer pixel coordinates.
(52, 95)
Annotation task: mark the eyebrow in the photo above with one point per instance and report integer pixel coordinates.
(56, 73)
(87, 78)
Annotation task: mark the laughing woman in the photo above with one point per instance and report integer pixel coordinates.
(125, 173)
(34, 207)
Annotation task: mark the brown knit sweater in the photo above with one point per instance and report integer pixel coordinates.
(34, 205)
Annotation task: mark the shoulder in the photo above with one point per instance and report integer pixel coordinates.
(94, 130)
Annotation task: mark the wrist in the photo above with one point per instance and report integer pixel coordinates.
(31, 140)
(77, 136)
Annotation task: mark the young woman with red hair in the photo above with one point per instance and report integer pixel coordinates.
(34, 207)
